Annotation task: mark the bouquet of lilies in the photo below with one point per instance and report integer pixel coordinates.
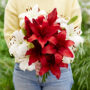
(47, 38)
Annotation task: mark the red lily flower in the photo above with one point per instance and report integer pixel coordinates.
(35, 53)
(27, 28)
(52, 66)
(43, 28)
(60, 47)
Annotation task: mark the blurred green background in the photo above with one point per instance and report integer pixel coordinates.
(80, 67)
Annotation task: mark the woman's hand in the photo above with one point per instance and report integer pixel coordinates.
(37, 67)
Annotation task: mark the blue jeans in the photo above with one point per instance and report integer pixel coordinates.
(27, 80)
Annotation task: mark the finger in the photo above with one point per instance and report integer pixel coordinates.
(38, 65)
(37, 72)
(37, 68)
(38, 62)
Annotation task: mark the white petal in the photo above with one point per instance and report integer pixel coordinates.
(61, 20)
(67, 60)
(31, 67)
(21, 22)
(77, 39)
(19, 36)
(24, 66)
(12, 49)
(64, 25)
(42, 12)
(35, 8)
(22, 15)
(22, 49)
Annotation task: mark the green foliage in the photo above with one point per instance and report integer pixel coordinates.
(6, 75)
(6, 65)
(81, 67)
(85, 5)
(3, 46)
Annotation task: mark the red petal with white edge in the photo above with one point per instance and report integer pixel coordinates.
(53, 40)
(62, 35)
(52, 30)
(66, 52)
(32, 59)
(63, 65)
(69, 43)
(32, 38)
(43, 70)
(58, 58)
(56, 71)
(49, 49)
(52, 16)
(43, 60)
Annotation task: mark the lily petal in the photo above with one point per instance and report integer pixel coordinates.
(52, 16)
(69, 43)
(34, 27)
(56, 71)
(32, 38)
(27, 25)
(28, 52)
(58, 58)
(43, 60)
(63, 65)
(32, 59)
(53, 40)
(52, 30)
(62, 35)
(66, 52)
(40, 19)
(43, 70)
(42, 42)
(49, 49)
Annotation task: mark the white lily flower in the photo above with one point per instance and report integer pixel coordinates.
(73, 33)
(18, 46)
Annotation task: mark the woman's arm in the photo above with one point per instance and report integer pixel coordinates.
(11, 22)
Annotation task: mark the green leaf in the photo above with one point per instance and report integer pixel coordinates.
(73, 19)
(24, 31)
(30, 45)
(44, 78)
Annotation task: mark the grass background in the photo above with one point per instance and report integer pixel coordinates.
(80, 67)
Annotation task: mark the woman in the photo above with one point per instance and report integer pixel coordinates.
(27, 80)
